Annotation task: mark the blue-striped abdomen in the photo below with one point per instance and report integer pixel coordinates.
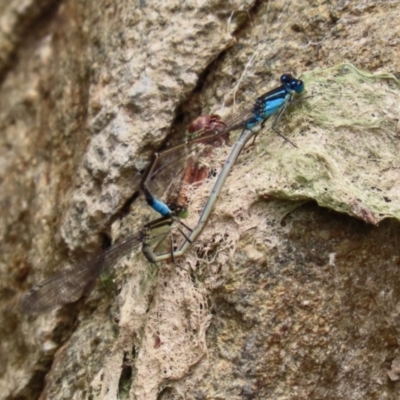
(155, 204)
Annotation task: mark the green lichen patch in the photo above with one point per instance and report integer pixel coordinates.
(347, 158)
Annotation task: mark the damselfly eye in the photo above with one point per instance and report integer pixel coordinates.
(297, 85)
(286, 78)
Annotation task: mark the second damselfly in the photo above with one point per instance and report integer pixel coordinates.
(71, 284)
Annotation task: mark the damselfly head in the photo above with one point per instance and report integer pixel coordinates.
(292, 83)
(179, 211)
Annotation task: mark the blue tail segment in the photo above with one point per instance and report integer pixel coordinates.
(155, 204)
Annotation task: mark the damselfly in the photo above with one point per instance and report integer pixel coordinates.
(159, 170)
(71, 284)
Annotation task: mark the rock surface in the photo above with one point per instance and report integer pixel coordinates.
(292, 290)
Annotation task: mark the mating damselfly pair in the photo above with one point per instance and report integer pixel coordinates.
(71, 284)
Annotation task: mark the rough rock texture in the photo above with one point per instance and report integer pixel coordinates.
(292, 290)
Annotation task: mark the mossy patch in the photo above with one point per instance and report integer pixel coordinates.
(347, 159)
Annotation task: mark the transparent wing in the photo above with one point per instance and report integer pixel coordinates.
(71, 284)
(169, 165)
